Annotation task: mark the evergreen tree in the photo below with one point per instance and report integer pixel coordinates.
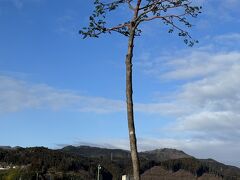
(175, 14)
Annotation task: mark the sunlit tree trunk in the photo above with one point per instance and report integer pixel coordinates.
(130, 114)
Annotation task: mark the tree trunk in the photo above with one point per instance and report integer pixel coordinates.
(129, 100)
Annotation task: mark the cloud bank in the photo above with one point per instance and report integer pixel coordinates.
(17, 95)
(208, 98)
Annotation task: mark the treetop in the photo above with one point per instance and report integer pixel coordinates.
(176, 14)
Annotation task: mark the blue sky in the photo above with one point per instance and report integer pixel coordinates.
(58, 89)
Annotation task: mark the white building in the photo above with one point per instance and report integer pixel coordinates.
(125, 177)
(4, 168)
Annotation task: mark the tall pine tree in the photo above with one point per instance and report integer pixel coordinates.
(176, 14)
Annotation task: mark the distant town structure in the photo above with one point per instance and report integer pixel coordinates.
(4, 166)
(126, 177)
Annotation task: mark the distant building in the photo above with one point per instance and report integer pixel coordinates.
(126, 177)
(5, 168)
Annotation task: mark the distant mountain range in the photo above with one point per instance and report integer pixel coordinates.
(5, 147)
(81, 162)
(95, 152)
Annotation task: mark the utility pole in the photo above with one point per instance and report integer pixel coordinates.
(98, 175)
(37, 176)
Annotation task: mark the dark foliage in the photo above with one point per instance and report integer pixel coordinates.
(175, 14)
(190, 164)
(81, 163)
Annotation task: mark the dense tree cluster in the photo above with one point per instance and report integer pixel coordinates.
(81, 163)
(190, 164)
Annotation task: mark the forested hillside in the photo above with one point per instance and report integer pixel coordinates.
(81, 163)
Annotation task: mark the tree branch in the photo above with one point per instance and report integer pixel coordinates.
(171, 12)
(119, 26)
(163, 17)
(149, 4)
(130, 5)
(158, 9)
(137, 9)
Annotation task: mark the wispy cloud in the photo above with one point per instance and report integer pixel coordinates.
(19, 3)
(208, 97)
(224, 10)
(228, 37)
(190, 65)
(16, 95)
(67, 23)
(210, 79)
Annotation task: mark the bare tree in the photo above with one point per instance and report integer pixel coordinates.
(175, 14)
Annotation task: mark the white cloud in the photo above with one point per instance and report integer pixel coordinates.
(189, 65)
(213, 97)
(17, 95)
(215, 102)
(216, 92)
(208, 99)
(233, 37)
(172, 108)
(224, 124)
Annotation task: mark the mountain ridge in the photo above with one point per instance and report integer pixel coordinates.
(82, 161)
(157, 154)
